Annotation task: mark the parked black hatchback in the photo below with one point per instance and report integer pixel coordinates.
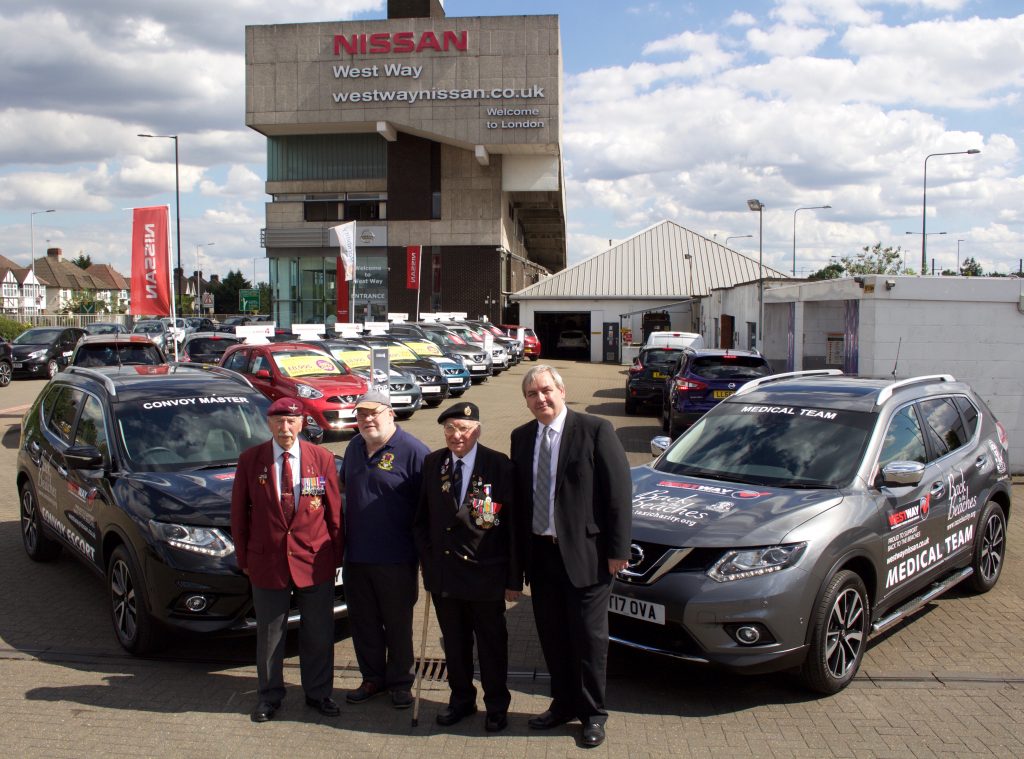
(44, 351)
(131, 468)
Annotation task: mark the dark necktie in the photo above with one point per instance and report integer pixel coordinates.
(287, 488)
(457, 483)
(542, 484)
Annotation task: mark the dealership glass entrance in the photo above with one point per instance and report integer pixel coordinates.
(304, 288)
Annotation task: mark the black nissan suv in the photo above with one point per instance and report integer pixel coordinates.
(130, 469)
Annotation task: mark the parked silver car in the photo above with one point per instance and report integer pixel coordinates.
(808, 511)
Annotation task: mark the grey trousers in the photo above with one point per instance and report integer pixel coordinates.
(316, 640)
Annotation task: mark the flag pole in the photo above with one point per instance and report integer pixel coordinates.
(419, 280)
(174, 275)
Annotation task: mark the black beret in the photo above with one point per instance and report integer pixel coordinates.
(467, 411)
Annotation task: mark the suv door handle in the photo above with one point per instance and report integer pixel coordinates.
(981, 462)
(938, 490)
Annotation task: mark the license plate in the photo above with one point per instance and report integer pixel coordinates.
(637, 609)
(722, 394)
(17, 364)
(455, 380)
(401, 399)
(430, 388)
(339, 576)
(659, 375)
(478, 366)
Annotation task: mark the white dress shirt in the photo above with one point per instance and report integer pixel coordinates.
(295, 465)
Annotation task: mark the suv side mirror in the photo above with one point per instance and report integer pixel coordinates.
(263, 373)
(83, 457)
(902, 473)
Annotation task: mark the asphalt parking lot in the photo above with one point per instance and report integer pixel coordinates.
(950, 682)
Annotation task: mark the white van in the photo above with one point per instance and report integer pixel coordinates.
(668, 339)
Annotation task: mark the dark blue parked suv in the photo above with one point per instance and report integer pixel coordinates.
(703, 378)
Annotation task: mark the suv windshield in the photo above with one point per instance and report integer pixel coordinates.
(730, 367)
(784, 446)
(184, 433)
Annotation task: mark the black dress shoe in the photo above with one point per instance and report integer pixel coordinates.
(495, 723)
(263, 712)
(451, 715)
(547, 720)
(593, 734)
(326, 706)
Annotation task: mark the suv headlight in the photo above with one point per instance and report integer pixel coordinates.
(754, 562)
(305, 391)
(38, 354)
(208, 541)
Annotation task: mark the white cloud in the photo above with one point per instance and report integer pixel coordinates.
(786, 40)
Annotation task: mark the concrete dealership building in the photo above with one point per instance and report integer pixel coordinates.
(426, 131)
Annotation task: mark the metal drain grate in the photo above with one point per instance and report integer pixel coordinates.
(432, 670)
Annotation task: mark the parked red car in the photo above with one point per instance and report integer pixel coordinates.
(326, 387)
(531, 343)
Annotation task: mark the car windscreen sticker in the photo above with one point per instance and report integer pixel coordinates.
(308, 365)
(210, 400)
(357, 359)
(713, 489)
(401, 353)
(424, 347)
(225, 476)
(791, 411)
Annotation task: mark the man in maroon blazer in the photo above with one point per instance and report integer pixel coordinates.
(286, 525)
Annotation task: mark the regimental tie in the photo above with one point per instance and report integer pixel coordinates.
(287, 486)
(542, 484)
(457, 483)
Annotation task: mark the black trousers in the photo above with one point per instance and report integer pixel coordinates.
(316, 639)
(572, 624)
(461, 623)
(380, 600)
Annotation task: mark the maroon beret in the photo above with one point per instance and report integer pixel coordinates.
(285, 407)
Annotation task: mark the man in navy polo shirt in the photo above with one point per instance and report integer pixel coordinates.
(381, 476)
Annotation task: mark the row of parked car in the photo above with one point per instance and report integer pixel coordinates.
(126, 460)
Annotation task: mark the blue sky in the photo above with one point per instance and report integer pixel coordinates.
(671, 110)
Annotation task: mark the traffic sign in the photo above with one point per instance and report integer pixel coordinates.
(248, 300)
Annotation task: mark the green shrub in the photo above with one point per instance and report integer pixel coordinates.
(10, 329)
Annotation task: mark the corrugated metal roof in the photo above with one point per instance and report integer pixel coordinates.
(653, 264)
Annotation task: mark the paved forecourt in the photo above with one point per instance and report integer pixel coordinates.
(949, 683)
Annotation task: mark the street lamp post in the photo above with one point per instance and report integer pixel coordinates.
(958, 256)
(927, 234)
(32, 253)
(805, 208)
(199, 279)
(924, 203)
(735, 237)
(177, 204)
(757, 205)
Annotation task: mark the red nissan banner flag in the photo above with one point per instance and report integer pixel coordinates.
(151, 275)
(412, 267)
(342, 299)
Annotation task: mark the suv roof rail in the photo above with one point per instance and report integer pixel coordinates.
(214, 369)
(748, 387)
(106, 381)
(887, 392)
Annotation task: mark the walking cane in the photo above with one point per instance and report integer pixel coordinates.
(419, 669)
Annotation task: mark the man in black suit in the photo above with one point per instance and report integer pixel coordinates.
(573, 530)
(464, 534)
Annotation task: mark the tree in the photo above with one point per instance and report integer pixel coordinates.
(83, 261)
(86, 302)
(874, 260)
(970, 268)
(225, 292)
(832, 271)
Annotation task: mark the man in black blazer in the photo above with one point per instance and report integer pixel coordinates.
(573, 531)
(464, 534)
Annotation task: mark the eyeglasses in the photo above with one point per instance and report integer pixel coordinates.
(365, 415)
(451, 429)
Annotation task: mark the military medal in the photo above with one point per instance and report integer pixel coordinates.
(485, 510)
(262, 478)
(314, 503)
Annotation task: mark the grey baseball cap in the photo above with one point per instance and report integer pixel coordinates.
(372, 399)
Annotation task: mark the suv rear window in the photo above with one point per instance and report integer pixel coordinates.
(730, 367)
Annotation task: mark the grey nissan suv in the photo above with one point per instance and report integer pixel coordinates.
(807, 512)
